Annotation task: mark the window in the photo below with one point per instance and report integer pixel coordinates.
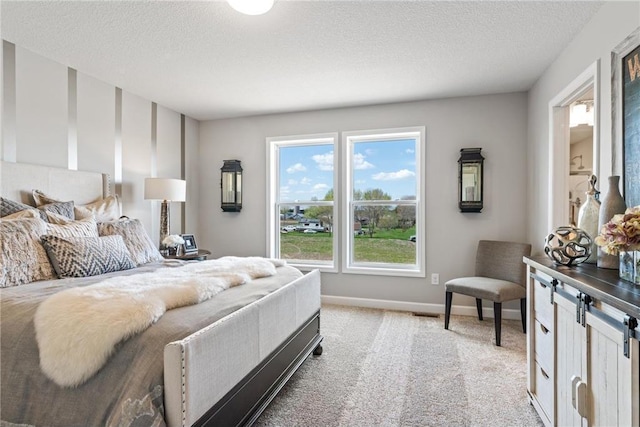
(383, 202)
(302, 220)
(369, 214)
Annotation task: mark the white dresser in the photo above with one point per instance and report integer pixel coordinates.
(582, 346)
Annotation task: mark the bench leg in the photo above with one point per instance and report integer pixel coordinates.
(523, 314)
(479, 307)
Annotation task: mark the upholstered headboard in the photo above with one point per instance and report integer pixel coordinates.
(18, 180)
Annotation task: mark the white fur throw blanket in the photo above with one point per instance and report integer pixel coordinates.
(77, 329)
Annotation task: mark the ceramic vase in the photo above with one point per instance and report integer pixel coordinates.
(589, 216)
(612, 204)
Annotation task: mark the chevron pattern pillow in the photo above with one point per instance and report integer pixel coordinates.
(87, 256)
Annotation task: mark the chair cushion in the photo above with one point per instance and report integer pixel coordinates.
(495, 290)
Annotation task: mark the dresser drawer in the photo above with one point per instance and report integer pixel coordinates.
(542, 303)
(544, 389)
(543, 346)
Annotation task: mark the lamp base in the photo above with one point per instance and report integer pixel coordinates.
(164, 221)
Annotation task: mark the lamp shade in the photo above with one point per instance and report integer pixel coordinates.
(171, 189)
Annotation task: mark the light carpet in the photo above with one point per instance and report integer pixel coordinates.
(389, 368)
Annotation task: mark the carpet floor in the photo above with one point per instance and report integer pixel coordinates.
(390, 368)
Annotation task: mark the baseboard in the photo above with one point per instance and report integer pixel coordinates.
(418, 307)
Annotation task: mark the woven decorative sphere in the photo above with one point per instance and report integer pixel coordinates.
(568, 245)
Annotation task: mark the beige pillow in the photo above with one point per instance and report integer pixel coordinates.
(104, 210)
(23, 259)
(82, 228)
(135, 238)
(42, 199)
(27, 213)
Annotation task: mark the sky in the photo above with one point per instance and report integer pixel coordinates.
(306, 171)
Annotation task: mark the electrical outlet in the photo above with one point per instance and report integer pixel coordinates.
(435, 279)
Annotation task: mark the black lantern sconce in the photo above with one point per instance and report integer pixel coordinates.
(470, 180)
(231, 185)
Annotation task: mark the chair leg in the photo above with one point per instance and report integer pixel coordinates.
(523, 314)
(479, 307)
(497, 314)
(447, 309)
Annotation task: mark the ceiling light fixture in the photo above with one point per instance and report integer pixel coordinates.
(251, 7)
(581, 113)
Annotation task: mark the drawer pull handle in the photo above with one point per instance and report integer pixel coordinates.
(544, 374)
(543, 329)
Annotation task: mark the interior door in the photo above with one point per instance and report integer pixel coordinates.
(570, 359)
(612, 377)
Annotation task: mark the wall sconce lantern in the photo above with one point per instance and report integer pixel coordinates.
(231, 184)
(470, 180)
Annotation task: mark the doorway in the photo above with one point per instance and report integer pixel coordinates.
(573, 146)
(581, 154)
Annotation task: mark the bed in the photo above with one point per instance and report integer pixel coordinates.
(218, 362)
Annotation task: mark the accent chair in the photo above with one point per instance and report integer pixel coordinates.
(499, 277)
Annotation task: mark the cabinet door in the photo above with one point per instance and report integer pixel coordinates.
(570, 358)
(612, 377)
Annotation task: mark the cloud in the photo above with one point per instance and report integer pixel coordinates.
(324, 161)
(393, 176)
(318, 187)
(292, 182)
(298, 167)
(305, 181)
(409, 151)
(360, 163)
(370, 151)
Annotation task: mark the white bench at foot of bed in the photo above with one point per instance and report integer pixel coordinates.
(223, 358)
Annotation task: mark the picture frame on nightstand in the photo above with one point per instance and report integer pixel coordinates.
(189, 245)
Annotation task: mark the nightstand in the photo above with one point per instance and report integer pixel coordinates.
(200, 255)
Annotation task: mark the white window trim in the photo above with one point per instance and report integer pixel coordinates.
(273, 188)
(383, 269)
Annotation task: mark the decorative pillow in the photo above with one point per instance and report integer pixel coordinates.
(8, 207)
(60, 208)
(23, 259)
(135, 238)
(82, 228)
(87, 256)
(27, 213)
(104, 210)
(42, 199)
(107, 209)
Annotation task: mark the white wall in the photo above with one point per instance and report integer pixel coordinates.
(610, 26)
(41, 129)
(497, 123)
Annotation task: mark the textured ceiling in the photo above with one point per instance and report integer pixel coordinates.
(206, 60)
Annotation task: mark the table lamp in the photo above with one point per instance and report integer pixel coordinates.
(167, 190)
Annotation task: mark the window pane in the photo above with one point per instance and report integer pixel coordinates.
(384, 170)
(306, 172)
(304, 199)
(304, 239)
(384, 234)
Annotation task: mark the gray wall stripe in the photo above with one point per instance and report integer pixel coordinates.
(117, 173)
(9, 147)
(72, 101)
(154, 140)
(183, 172)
